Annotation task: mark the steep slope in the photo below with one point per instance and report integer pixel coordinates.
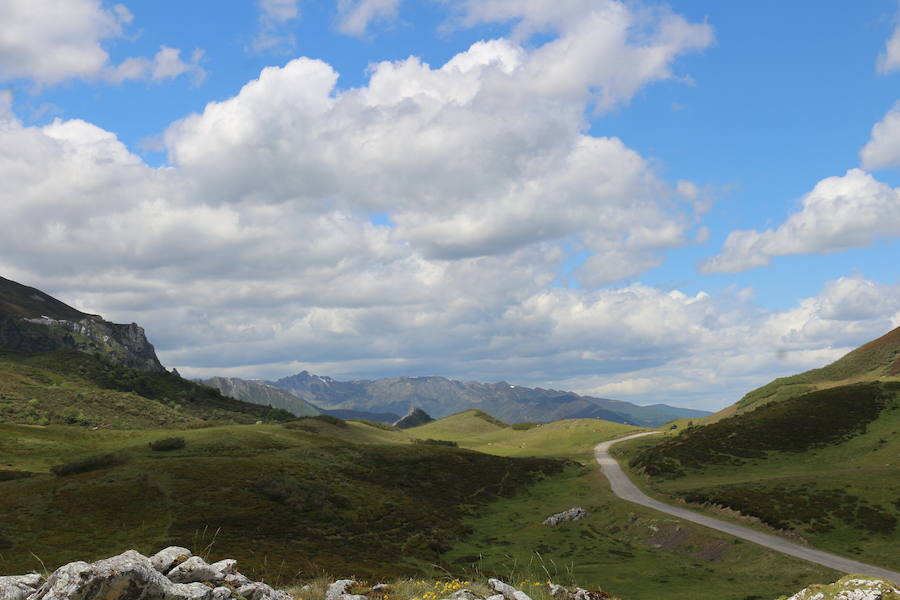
(441, 397)
(876, 360)
(77, 388)
(32, 321)
(260, 393)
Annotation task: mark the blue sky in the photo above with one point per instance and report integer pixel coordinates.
(657, 202)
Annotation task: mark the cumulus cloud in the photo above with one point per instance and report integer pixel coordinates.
(604, 49)
(272, 34)
(50, 41)
(354, 16)
(883, 149)
(476, 157)
(889, 58)
(254, 251)
(839, 213)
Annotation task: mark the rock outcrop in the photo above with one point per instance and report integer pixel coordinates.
(171, 574)
(573, 514)
(32, 321)
(852, 587)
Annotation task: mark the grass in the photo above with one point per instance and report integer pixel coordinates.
(77, 388)
(310, 497)
(306, 501)
(826, 472)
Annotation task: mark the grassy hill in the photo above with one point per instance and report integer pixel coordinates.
(878, 360)
(568, 438)
(822, 465)
(78, 388)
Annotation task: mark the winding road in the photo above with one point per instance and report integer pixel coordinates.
(624, 489)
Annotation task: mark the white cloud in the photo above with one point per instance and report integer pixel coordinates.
(253, 252)
(839, 213)
(883, 149)
(51, 41)
(274, 17)
(354, 16)
(604, 50)
(889, 59)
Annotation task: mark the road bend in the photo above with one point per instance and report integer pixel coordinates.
(624, 489)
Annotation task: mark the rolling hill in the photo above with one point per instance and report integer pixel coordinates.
(441, 397)
(815, 454)
(876, 360)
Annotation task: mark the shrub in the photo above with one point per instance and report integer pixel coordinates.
(170, 443)
(524, 426)
(89, 463)
(430, 442)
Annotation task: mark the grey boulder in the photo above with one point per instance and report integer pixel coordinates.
(19, 587)
(129, 576)
(165, 559)
(573, 514)
(195, 570)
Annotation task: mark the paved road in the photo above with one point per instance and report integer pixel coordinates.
(624, 489)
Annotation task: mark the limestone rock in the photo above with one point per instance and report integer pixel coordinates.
(507, 591)
(195, 570)
(464, 594)
(261, 591)
(129, 576)
(495, 597)
(237, 580)
(558, 591)
(338, 589)
(19, 587)
(573, 514)
(165, 559)
(852, 587)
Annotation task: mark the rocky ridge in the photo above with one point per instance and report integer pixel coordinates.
(32, 321)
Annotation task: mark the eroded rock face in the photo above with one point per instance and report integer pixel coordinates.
(852, 587)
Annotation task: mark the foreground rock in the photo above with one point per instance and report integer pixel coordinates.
(852, 587)
(171, 574)
(573, 514)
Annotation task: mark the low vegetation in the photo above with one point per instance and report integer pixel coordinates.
(821, 466)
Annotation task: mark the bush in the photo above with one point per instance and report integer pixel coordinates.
(524, 426)
(430, 442)
(170, 443)
(89, 463)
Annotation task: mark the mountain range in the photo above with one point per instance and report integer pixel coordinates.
(440, 397)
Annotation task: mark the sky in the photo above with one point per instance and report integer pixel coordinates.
(651, 202)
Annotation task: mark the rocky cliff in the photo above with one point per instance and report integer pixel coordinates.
(32, 321)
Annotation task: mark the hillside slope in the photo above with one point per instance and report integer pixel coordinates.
(441, 397)
(77, 388)
(876, 360)
(32, 321)
(822, 465)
